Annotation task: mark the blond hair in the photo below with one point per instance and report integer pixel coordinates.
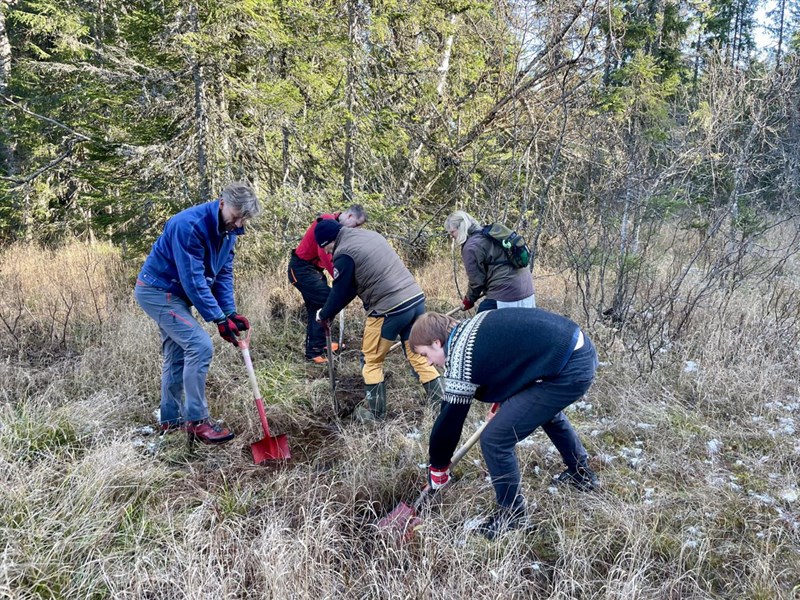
(461, 222)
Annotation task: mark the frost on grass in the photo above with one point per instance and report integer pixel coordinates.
(690, 366)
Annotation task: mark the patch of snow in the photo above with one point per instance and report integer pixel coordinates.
(473, 523)
(645, 426)
(714, 446)
(606, 459)
(594, 433)
(786, 425)
(414, 435)
(144, 430)
(690, 367)
(790, 495)
(632, 455)
(763, 498)
(528, 441)
(693, 537)
(552, 490)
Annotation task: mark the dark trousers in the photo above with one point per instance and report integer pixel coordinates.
(311, 282)
(540, 405)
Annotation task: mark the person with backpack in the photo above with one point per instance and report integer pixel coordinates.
(191, 264)
(534, 364)
(306, 271)
(493, 271)
(365, 265)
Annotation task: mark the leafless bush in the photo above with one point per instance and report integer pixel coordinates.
(56, 300)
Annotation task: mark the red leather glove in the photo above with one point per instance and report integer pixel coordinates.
(242, 324)
(466, 303)
(438, 478)
(227, 330)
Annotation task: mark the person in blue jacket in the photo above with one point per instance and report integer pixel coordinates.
(532, 362)
(191, 264)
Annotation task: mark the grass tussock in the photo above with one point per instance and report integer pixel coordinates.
(698, 457)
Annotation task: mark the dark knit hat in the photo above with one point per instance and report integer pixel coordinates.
(326, 231)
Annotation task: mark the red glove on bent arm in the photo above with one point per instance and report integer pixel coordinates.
(227, 330)
(242, 324)
(466, 303)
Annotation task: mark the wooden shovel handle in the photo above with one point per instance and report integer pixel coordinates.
(459, 454)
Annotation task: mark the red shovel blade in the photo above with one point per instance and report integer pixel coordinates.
(402, 523)
(271, 448)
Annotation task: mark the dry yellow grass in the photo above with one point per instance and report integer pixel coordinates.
(699, 460)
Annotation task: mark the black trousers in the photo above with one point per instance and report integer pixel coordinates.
(313, 285)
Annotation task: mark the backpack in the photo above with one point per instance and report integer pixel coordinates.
(517, 253)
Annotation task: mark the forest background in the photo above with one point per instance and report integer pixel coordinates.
(648, 151)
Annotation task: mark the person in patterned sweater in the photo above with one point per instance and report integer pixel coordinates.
(532, 362)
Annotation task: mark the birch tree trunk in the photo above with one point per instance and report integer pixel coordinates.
(8, 160)
(350, 102)
(442, 70)
(200, 116)
(6, 150)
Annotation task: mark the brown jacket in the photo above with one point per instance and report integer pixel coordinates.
(488, 272)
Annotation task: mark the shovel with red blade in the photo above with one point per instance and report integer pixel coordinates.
(271, 447)
(402, 522)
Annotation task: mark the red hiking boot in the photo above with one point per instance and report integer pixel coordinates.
(208, 432)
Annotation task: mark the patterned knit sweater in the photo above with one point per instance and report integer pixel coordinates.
(494, 356)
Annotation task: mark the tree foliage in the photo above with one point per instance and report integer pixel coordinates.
(587, 126)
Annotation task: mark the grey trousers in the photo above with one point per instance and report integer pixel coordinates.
(187, 352)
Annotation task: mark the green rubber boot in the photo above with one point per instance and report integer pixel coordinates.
(434, 392)
(376, 400)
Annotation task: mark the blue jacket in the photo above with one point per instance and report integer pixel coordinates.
(193, 260)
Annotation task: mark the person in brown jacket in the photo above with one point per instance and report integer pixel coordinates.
(365, 265)
(488, 270)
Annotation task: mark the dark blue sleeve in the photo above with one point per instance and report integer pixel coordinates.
(344, 287)
(446, 432)
(189, 255)
(223, 286)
